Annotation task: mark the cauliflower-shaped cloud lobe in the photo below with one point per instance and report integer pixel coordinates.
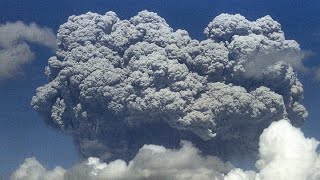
(115, 85)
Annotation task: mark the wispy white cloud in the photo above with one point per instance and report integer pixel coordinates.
(14, 45)
(317, 74)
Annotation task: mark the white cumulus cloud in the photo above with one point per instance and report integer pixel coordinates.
(285, 154)
(151, 162)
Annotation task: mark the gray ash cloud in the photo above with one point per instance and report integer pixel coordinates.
(115, 85)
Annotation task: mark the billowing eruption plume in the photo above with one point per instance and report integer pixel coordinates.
(115, 85)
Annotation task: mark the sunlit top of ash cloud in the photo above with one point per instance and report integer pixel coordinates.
(115, 85)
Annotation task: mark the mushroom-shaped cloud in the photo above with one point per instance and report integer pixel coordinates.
(115, 85)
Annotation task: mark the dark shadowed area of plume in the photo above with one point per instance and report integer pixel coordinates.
(115, 85)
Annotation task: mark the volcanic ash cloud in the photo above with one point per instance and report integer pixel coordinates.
(116, 85)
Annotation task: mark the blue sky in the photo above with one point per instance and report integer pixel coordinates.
(22, 131)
